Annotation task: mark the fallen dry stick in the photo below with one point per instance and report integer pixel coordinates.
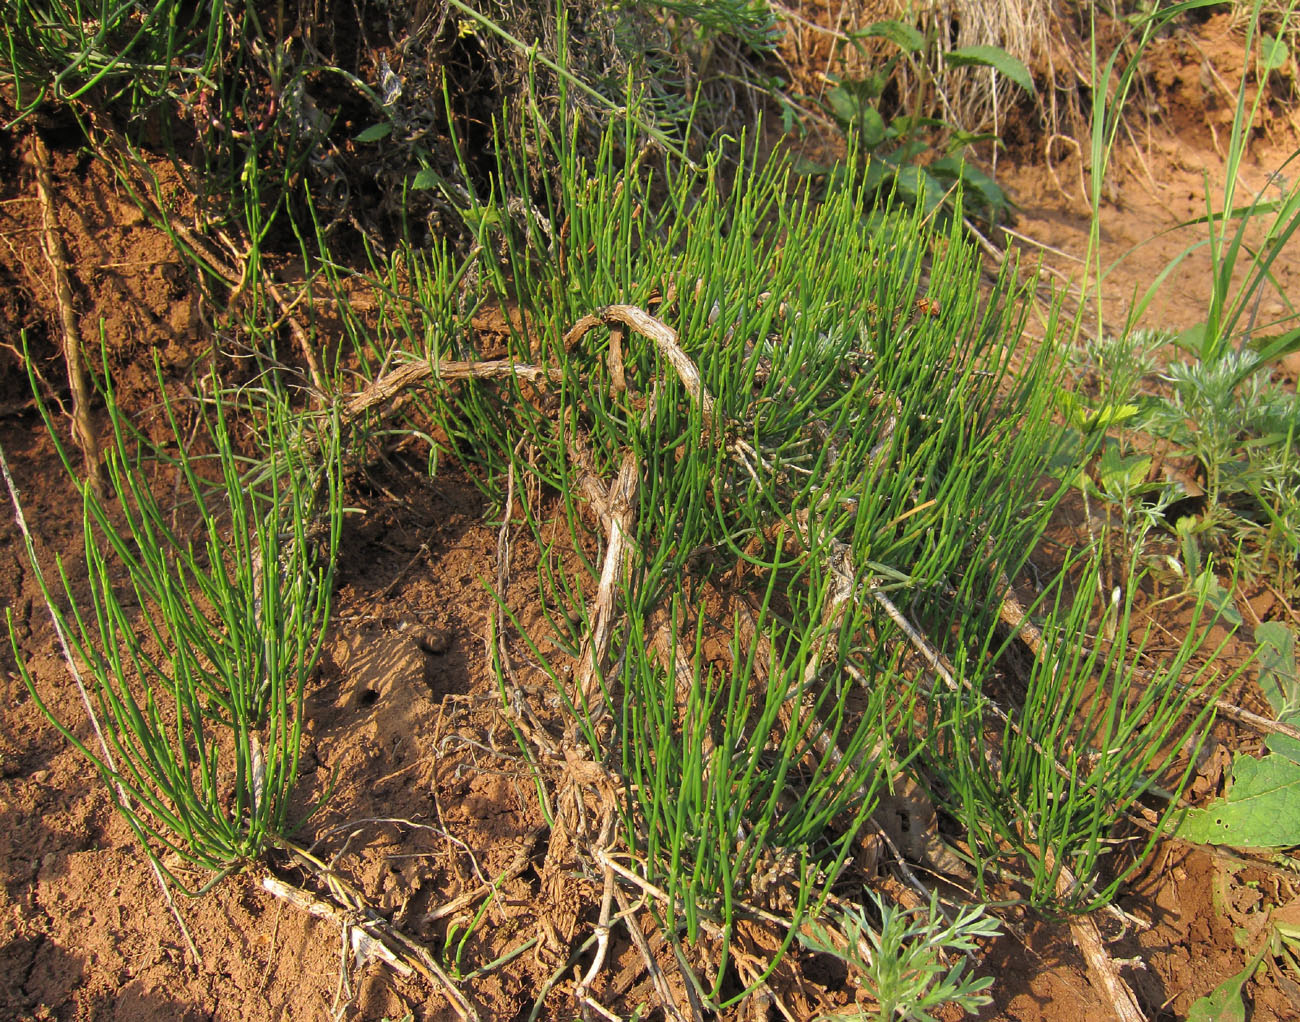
(665, 339)
(618, 551)
(52, 242)
(391, 384)
(350, 910)
(1101, 966)
(657, 977)
(367, 945)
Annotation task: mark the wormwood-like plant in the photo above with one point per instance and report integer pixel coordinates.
(1244, 239)
(1218, 406)
(203, 620)
(905, 963)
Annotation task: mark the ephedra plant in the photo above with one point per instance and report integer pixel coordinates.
(779, 462)
(210, 562)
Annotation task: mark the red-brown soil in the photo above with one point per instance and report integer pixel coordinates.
(432, 797)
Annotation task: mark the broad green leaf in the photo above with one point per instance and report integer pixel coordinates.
(1277, 668)
(1218, 599)
(1185, 529)
(995, 57)
(425, 179)
(1068, 457)
(989, 190)
(375, 132)
(1192, 339)
(789, 116)
(901, 34)
(961, 139)
(878, 174)
(844, 104)
(1284, 745)
(972, 178)
(873, 82)
(1273, 53)
(872, 126)
(1224, 1003)
(1090, 420)
(1262, 809)
(1119, 474)
(916, 185)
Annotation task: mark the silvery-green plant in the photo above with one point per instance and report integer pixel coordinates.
(1245, 435)
(907, 962)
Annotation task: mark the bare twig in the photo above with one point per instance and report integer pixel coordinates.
(618, 551)
(618, 379)
(665, 339)
(517, 867)
(108, 760)
(583, 990)
(1100, 965)
(393, 383)
(657, 977)
(368, 945)
(82, 430)
(285, 307)
(1246, 717)
(357, 913)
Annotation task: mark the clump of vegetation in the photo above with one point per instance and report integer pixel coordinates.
(197, 653)
(780, 454)
(811, 467)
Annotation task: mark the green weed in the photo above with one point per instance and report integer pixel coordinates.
(202, 625)
(762, 421)
(898, 151)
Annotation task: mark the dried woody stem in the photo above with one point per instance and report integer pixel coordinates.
(52, 242)
(657, 977)
(21, 520)
(393, 383)
(380, 939)
(614, 506)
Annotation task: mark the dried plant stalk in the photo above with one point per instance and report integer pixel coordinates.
(83, 433)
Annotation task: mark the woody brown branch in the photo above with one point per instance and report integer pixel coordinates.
(52, 242)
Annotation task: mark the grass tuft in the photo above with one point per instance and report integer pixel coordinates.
(202, 624)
